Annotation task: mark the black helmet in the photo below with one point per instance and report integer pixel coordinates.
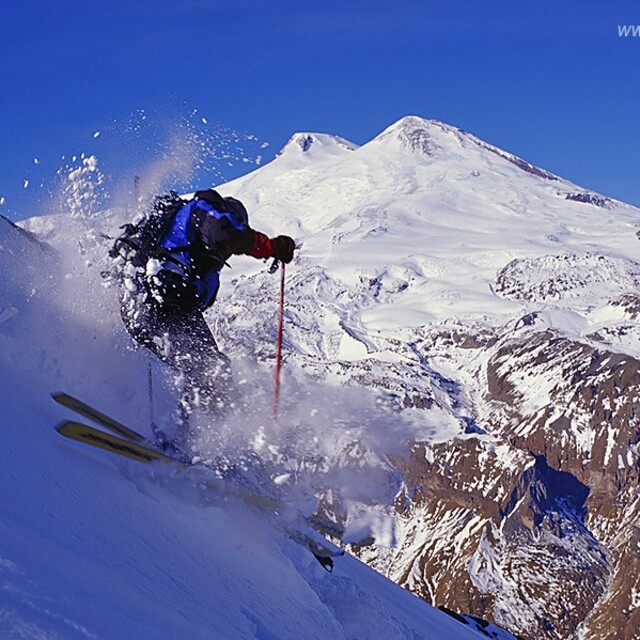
(237, 208)
(224, 204)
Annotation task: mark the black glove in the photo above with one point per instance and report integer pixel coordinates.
(282, 248)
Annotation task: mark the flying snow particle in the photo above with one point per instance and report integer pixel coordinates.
(282, 479)
(204, 121)
(36, 161)
(96, 134)
(1, 200)
(264, 145)
(25, 184)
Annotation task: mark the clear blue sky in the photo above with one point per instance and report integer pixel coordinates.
(548, 80)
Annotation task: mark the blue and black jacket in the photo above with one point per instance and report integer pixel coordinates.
(204, 234)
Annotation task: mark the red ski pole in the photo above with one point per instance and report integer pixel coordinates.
(276, 394)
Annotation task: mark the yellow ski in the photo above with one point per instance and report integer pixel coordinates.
(110, 442)
(83, 409)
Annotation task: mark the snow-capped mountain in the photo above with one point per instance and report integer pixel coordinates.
(461, 369)
(494, 305)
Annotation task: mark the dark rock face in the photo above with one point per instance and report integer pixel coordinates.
(532, 520)
(589, 422)
(588, 428)
(590, 198)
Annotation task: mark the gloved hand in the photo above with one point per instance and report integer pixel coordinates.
(282, 248)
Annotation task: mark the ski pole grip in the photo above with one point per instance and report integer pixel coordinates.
(274, 265)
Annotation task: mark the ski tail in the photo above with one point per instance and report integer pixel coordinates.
(109, 442)
(323, 551)
(87, 411)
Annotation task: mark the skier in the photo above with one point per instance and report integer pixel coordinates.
(164, 299)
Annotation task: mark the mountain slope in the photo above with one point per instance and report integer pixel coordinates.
(494, 305)
(95, 546)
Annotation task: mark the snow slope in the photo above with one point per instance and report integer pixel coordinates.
(94, 546)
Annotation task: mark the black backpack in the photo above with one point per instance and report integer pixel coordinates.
(140, 240)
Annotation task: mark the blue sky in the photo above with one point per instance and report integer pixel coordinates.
(549, 80)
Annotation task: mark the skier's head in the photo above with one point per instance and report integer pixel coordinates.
(237, 208)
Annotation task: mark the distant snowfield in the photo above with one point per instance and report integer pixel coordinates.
(418, 224)
(94, 546)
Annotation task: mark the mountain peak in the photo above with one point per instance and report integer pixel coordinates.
(410, 124)
(314, 143)
(421, 135)
(435, 139)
